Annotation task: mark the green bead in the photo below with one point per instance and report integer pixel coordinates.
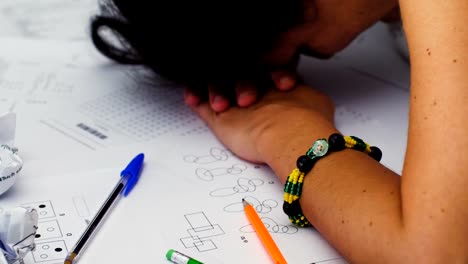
(360, 144)
(299, 189)
(288, 186)
(294, 189)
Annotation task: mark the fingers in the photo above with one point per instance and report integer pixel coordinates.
(246, 94)
(285, 77)
(190, 98)
(284, 80)
(218, 101)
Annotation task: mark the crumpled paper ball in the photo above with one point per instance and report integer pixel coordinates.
(10, 165)
(18, 228)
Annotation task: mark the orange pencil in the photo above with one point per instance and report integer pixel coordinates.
(263, 234)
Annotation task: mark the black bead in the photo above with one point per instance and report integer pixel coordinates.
(375, 153)
(293, 208)
(336, 142)
(305, 164)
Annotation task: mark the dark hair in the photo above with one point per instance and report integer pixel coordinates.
(195, 42)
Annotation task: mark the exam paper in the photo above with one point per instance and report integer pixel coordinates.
(188, 198)
(46, 19)
(92, 108)
(64, 204)
(52, 53)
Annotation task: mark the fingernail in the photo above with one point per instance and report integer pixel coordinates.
(245, 94)
(190, 98)
(218, 98)
(286, 81)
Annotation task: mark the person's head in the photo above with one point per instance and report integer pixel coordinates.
(196, 43)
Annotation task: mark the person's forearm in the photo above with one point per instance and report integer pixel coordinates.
(435, 175)
(359, 205)
(350, 198)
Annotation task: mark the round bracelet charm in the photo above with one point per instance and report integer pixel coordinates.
(319, 148)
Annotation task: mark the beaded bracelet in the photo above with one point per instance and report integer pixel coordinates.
(320, 148)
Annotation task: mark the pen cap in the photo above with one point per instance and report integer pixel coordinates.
(132, 171)
(179, 258)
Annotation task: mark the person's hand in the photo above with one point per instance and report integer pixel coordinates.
(246, 93)
(271, 122)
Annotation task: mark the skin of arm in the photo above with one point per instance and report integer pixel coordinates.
(434, 182)
(367, 212)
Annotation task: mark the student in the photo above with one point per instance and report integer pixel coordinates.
(230, 47)
(367, 212)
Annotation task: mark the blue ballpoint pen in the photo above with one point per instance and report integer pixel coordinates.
(128, 178)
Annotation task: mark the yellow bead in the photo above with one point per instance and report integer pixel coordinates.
(301, 179)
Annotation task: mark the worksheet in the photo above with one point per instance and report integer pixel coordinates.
(65, 205)
(50, 53)
(46, 19)
(81, 118)
(92, 108)
(188, 199)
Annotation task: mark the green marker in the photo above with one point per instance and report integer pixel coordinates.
(179, 258)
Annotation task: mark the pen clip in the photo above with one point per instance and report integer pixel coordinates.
(132, 171)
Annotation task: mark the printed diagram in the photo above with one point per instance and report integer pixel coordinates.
(44, 209)
(50, 251)
(48, 229)
(243, 185)
(272, 226)
(209, 174)
(262, 207)
(48, 82)
(49, 243)
(11, 85)
(56, 229)
(201, 232)
(216, 154)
